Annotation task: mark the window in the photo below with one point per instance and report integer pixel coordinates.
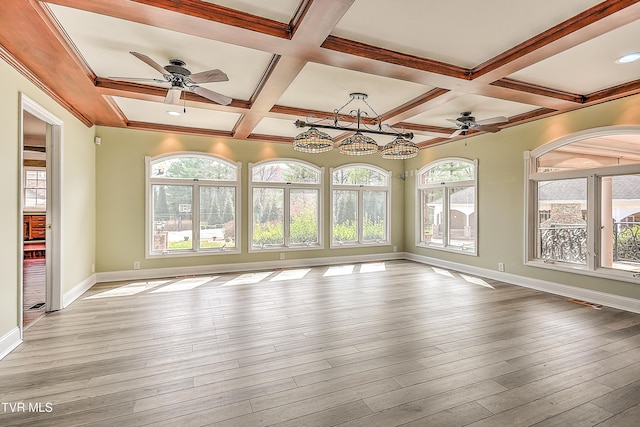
(360, 205)
(584, 194)
(447, 205)
(192, 205)
(285, 205)
(35, 188)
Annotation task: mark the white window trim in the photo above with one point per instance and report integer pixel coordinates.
(361, 189)
(287, 187)
(195, 251)
(593, 176)
(449, 184)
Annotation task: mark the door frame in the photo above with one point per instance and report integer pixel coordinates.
(53, 254)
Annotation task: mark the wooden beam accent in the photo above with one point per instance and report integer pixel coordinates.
(157, 127)
(379, 54)
(538, 90)
(316, 21)
(625, 89)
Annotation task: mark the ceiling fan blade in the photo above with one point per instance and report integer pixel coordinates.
(150, 62)
(456, 133)
(492, 121)
(173, 96)
(492, 129)
(211, 95)
(209, 77)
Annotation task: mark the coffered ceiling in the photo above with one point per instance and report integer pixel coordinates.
(421, 62)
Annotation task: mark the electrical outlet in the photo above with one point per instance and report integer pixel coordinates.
(501, 266)
(93, 268)
(136, 265)
(281, 255)
(395, 249)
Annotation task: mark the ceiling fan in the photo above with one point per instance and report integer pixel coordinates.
(467, 122)
(182, 80)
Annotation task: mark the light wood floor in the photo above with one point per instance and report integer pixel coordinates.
(380, 344)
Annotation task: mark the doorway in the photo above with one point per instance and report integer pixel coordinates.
(34, 218)
(39, 272)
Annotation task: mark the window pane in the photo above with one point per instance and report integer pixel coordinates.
(359, 176)
(448, 172)
(172, 223)
(562, 225)
(345, 214)
(374, 207)
(432, 216)
(217, 217)
(461, 217)
(303, 208)
(268, 217)
(620, 227)
(201, 167)
(285, 172)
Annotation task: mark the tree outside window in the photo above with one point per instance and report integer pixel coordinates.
(360, 205)
(192, 204)
(286, 198)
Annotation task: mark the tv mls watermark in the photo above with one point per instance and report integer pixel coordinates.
(13, 407)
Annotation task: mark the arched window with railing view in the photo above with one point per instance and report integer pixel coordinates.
(583, 196)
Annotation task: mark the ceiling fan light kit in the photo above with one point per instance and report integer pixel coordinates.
(357, 144)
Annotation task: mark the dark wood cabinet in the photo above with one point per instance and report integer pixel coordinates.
(34, 227)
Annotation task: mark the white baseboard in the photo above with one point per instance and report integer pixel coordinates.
(9, 342)
(156, 273)
(75, 293)
(597, 297)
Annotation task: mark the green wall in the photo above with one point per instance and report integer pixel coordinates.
(501, 191)
(78, 194)
(120, 186)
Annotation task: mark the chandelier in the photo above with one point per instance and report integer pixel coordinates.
(358, 144)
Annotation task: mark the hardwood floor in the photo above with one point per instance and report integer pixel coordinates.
(34, 284)
(377, 344)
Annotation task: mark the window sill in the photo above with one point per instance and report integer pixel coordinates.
(603, 273)
(184, 254)
(284, 248)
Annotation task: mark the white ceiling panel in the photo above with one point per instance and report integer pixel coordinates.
(463, 32)
(325, 88)
(591, 66)
(105, 43)
(155, 112)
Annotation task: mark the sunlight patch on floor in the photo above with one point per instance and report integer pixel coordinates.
(185, 284)
(248, 278)
(340, 270)
(298, 273)
(372, 267)
(442, 272)
(130, 289)
(476, 281)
